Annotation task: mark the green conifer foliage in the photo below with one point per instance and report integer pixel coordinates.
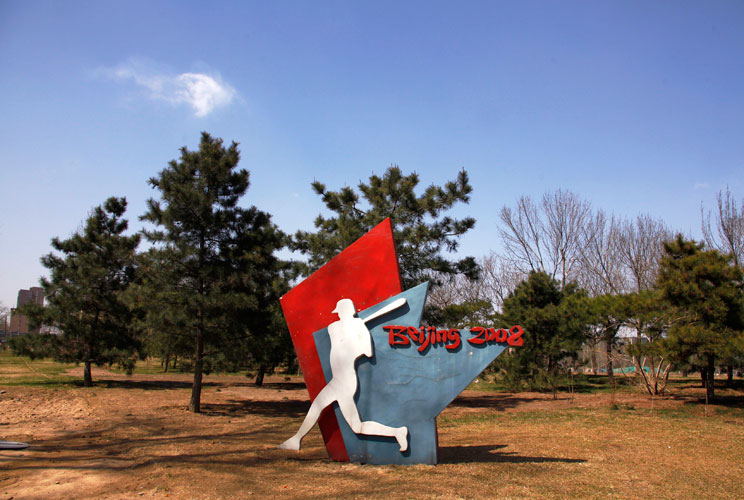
(554, 322)
(84, 291)
(214, 273)
(422, 231)
(705, 289)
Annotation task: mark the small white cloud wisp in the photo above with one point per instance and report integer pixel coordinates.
(202, 92)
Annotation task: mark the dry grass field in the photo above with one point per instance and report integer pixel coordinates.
(131, 437)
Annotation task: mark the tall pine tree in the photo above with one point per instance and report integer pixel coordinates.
(705, 289)
(214, 264)
(422, 231)
(84, 291)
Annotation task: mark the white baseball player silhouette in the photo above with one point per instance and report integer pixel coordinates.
(350, 339)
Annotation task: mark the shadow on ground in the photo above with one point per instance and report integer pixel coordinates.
(285, 408)
(492, 401)
(96, 450)
(489, 453)
(119, 454)
(149, 384)
(136, 383)
(282, 386)
(728, 401)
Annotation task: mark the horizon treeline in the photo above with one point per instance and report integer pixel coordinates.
(204, 296)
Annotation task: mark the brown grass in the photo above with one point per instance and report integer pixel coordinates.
(131, 437)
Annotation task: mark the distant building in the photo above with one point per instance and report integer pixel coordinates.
(19, 322)
(50, 330)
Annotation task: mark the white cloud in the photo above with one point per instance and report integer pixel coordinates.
(203, 92)
(701, 185)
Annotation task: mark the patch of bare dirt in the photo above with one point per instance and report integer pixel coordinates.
(132, 437)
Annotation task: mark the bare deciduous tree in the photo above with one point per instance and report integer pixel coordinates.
(547, 237)
(728, 235)
(566, 215)
(641, 247)
(499, 278)
(607, 256)
(453, 290)
(523, 235)
(621, 257)
(603, 275)
(602, 271)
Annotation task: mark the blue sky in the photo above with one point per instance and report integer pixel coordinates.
(635, 106)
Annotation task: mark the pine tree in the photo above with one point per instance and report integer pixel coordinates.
(705, 289)
(554, 325)
(214, 267)
(156, 313)
(84, 291)
(420, 229)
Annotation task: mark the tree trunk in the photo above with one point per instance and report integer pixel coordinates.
(175, 360)
(640, 365)
(87, 379)
(260, 375)
(593, 358)
(710, 381)
(665, 377)
(195, 403)
(703, 376)
(165, 363)
(729, 375)
(610, 372)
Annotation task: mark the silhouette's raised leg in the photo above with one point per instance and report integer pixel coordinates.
(323, 399)
(370, 427)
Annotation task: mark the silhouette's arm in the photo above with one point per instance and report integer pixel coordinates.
(390, 307)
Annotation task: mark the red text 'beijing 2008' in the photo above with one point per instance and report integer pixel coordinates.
(425, 336)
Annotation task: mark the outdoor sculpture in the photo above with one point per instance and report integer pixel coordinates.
(376, 375)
